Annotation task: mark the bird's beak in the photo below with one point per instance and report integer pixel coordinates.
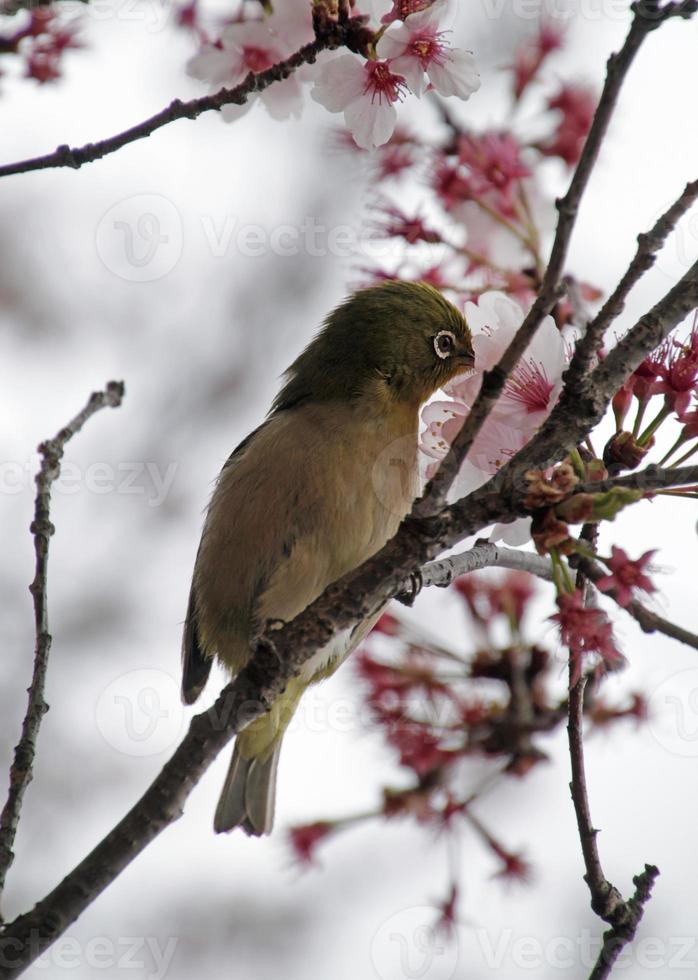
(466, 358)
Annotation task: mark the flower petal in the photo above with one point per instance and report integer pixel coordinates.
(456, 75)
(371, 123)
(339, 83)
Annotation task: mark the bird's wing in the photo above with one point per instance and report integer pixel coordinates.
(196, 664)
(296, 507)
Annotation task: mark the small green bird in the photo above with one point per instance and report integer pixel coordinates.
(313, 492)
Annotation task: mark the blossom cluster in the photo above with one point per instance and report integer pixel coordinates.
(408, 52)
(41, 42)
(480, 236)
(498, 700)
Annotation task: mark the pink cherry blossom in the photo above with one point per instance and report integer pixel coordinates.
(305, 838)
(626, 575)
(417, 51)
(532, 53)
(243, 48)
(366, 92)
(584, 629)
(402, 9)
(577, 105)
(527, 400)
(535, 384)
(493, 161)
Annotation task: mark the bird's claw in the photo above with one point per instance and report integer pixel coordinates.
(416, 585)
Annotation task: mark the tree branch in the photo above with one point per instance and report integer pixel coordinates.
(647, 16)
(649, 621)
(606, 901)
(332, 35)
(575, 415)
(246, 698)
(651, 478)
(648, 245)
(483, 555)
(42, 529)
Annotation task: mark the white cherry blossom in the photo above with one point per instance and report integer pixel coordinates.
(419, 51)
(243, 48)
(366, 92)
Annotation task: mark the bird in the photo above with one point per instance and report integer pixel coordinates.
(313, 492)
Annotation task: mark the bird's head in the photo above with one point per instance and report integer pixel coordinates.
(396, 342)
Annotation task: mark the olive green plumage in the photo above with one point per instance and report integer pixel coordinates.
(317, 489)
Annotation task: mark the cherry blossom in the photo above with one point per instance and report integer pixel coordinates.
(305, 838)
(402, 9)
(576, 105)
(535, 384)
(243, 48)
(584, 629)
(678, 372)
(417, 51)
(527, 400)
(531, 55)
(626, 575)
(366, 92)
(493, 160)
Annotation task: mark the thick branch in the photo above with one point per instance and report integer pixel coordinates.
(42, 529)
(575, 416)
(646, 17)
(65, 156)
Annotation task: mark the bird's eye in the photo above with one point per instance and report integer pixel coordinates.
(444, 344)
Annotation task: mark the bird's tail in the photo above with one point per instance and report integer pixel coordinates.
(249, 791)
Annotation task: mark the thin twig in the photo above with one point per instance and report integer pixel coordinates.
(333, 35)
(649, 621)
(618, 936)
(651, 478)
(42, 529)
(646, 18)
(606, 901)
(648, 244)
(484, 554)
(576, 414)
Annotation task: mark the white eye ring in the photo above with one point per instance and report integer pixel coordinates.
(443, 354)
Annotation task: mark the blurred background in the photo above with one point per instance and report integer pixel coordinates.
(200, 323)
